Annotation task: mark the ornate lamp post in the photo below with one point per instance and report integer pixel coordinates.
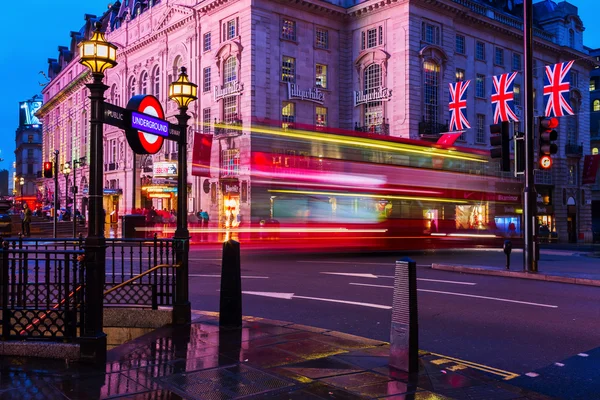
(21, 183)
(66, 170)
(183, 92)
(75, 163)
(98, 55)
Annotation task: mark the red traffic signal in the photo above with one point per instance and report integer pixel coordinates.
(547, 136)
(48, 169)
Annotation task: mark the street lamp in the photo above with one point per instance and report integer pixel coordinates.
(98, 55)
(183, 92)
(21, 183)
(75, 163)
(66, 170)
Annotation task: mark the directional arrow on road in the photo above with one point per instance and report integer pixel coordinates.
(290, 296)
(359, 275)
(352, 274)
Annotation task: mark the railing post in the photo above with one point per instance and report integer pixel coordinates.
(230, 307)
(404, 336)
(4, 288)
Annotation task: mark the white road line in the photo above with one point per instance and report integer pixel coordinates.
(218, 276)
(290, 296)
(532, 374)
(559, 364)
(442, 281)
(583, 355)
(464, 295)
(352, 274)
(363, 275)
(346, 262)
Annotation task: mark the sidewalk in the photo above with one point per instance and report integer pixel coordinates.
(263, 360)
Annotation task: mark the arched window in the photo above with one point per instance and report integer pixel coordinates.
(373, 110)
(596, 105)
(113, 94)
(144, 83)
(156, 82)
(571, 38)
(431, 75)
(177, 64)
(131, 86)
(230, 70)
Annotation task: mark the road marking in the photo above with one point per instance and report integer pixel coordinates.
(218, 276)
(559, 364)
(532, 374)
(507, 375)
(583, 355)
(442, 281)
(352, 274)
(359, 275)
(465, 295)
(290, 296)
(347, 262)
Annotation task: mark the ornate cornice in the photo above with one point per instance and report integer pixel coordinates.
(68, 90)
(370, 7)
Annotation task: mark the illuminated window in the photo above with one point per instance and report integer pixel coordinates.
(156, 82)
(592, 84)
(321, 75)
(373, 111)
(596, 105)
(207, 41)
(431, 75)
(144, 83)
(517, 94)
(230, 162)
(288, 114)
(321, 116)
(594, 151)
(288, 69)
(206, 82)
(206, 120)
(322, 38)
(230, 69)
(230, 113)
(460, 74)
(288, 29)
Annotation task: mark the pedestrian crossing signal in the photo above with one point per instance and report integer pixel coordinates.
(47, 169)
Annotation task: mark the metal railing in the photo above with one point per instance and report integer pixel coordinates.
(381, 129)
(42, 293)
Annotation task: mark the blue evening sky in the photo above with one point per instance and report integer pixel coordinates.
(33, 30)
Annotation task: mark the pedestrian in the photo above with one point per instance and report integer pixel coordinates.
(204, 216)
(26, 223)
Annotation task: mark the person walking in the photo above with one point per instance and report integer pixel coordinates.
(26, 223)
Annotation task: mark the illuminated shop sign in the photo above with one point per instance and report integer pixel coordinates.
(160, 189)
(148, 124)
(27, 112)
(164, 169)
(376, 94)
(230, 89)
(314, 94)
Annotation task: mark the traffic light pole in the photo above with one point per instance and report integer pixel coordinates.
(55, 193)
(529, 195)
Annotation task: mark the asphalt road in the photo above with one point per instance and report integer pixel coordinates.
(510, 324)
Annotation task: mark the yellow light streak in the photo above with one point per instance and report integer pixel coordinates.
(372, 196)
(360, 142)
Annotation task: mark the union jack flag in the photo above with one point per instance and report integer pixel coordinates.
(503, 97)
(458, 103)
(556, 87)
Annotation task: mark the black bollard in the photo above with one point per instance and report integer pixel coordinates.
(507, 249)
(404, 335)
(230, 309)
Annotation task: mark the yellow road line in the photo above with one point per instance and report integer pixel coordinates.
(506, 375)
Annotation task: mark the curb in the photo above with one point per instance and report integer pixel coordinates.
(516, 274)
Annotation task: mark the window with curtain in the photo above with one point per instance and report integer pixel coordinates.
(288, 114)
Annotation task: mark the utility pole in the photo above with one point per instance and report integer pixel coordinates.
(55, 191)
(529, 196)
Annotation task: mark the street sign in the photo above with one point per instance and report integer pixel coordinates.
(115, 116)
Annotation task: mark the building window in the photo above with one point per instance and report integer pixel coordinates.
(321, 76)
(595, 151)
(29, 153)
(288, 114)
(131, 86)
(571, 38)
(288, 69)
(230, 162)
(480, 86)
(321, 116)
(535, 68)
(230, 113)
(230, 29)
(596, 105)
(574, 79)
(480, 51)
(460, 74)
(230, 70)
(373, 111)
(207, 41)
(592, 84)
(156, 82)
(480, 135)
(206, 76)
(288, 30)
(460, 44)
(517, 95)
(430, 33)
(144, 83)
(431, 88)
(371, 38)
(30, 139)
(516, 62)
(322, 38)
(572, 175)
(206, 120)
(499, 60)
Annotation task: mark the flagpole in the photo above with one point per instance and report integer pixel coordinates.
(529, 195)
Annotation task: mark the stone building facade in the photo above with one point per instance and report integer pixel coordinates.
(375, 66)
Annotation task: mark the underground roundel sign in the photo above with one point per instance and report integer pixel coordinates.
(148, 129)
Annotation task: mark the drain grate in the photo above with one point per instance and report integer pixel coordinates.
(225, 382)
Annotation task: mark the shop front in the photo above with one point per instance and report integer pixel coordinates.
(507, 218)
(111, 198)
(230, 211)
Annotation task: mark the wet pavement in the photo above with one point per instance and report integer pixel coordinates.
(264, 359)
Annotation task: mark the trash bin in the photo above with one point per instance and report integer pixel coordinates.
(129, 225)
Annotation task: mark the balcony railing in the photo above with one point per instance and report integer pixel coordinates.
(111, 167)
(231, 128)
(381, 129)
(542, 177)
(431, 129)
(573, 150)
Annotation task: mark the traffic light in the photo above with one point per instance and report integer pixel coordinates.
(48, 169)
(500, 144)
(548, 134)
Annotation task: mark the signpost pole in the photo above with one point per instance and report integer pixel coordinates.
(55, 227)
